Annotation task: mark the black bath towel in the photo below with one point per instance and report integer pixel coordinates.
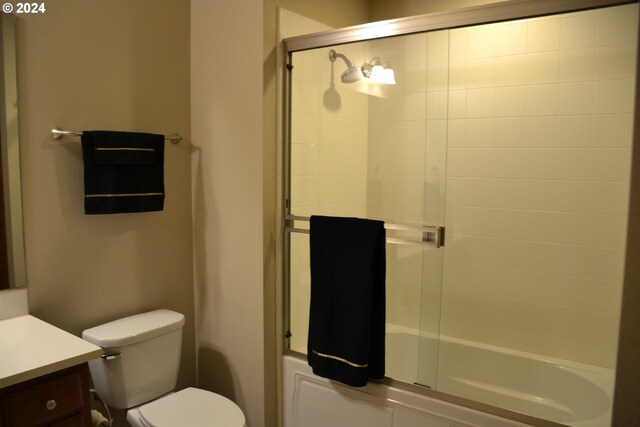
(123, 172)
(347, 317)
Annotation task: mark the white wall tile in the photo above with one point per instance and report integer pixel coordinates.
(480, 73)
(478, 162)
(482, 41)
(457, 104)
(577, 30)
(435, 106)
(480, 133)
(511, 70)
(542, 100)
(615, 62)
(537, 187)
(455, 162)
(509, 132)
(575, 131)
(604, 231)
(611, 164)
(577, 65)
(575, 98)
(457, 75)
(436, 134)
(543, 68)
(532, 127)
(458, 44)
(510, 101)
(310, 101)
(613, 96)
(457, 133)
(541, 132)
(573, 164)
(543, 35)
(507, 163)
(481, 102)
(617, 25)
(612, 130)
(533, 194)
(510, 38)
(539, 163)
(608, 198)
(571, 196)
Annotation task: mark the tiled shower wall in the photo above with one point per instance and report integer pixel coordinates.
(396, 167)
(528, 126)
(538, 161)
(328, 159)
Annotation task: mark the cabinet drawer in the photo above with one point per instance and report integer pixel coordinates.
(45, 403)
(70, 422)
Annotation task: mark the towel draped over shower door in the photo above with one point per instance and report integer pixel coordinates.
(347, 314)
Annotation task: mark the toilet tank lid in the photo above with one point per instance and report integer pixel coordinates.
(133, 329)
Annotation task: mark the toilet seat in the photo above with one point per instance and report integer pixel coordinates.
(194, 408)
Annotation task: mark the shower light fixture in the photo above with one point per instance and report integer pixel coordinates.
(377, 72)
(374, 70)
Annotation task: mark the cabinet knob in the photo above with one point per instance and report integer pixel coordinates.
(51, 404)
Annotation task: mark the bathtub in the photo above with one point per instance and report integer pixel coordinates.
(566, 392)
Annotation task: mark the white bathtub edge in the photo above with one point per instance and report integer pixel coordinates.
(408, 407)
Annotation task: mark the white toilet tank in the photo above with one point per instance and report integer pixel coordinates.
(141, 357)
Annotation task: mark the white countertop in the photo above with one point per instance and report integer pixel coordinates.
(30, 347)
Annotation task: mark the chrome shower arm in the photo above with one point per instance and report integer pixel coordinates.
(333, 55)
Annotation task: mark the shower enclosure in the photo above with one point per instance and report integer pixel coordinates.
(501, 159)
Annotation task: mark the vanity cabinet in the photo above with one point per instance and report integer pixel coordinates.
(59, 399)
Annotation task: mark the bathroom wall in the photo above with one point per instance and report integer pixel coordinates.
(227, 162)
(537, 190)
(397, 153)
(328, 158)
(625, 410)
(335, 13)
(234, 194)
(105, 65)
(382, 9)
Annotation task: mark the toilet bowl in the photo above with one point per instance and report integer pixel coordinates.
(138, 371)
(191, 407)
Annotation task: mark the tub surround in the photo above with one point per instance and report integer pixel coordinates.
(307, 397)
(32, 348)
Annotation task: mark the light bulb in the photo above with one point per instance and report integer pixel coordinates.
(379, 74)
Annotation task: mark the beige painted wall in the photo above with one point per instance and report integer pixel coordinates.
(227, 162)
(105, 65)
(384, 9)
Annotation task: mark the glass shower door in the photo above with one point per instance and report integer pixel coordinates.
(436, 124)
(367, 150)
(538, 151)
(514, 136)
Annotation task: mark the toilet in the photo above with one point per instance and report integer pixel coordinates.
(138, 371)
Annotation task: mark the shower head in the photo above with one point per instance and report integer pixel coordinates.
(373, 70)
(352, 74)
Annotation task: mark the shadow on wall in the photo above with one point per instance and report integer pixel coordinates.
(331, 97)
(214, 373)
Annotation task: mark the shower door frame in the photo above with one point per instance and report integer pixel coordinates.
(485, 14)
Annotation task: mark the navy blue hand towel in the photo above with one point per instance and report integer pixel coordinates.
(347, 317)
(123, 172)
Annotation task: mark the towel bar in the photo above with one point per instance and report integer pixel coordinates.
(431, 235)
(58, 133)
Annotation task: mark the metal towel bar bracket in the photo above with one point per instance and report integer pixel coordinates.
(431, 235)
(58, 133)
